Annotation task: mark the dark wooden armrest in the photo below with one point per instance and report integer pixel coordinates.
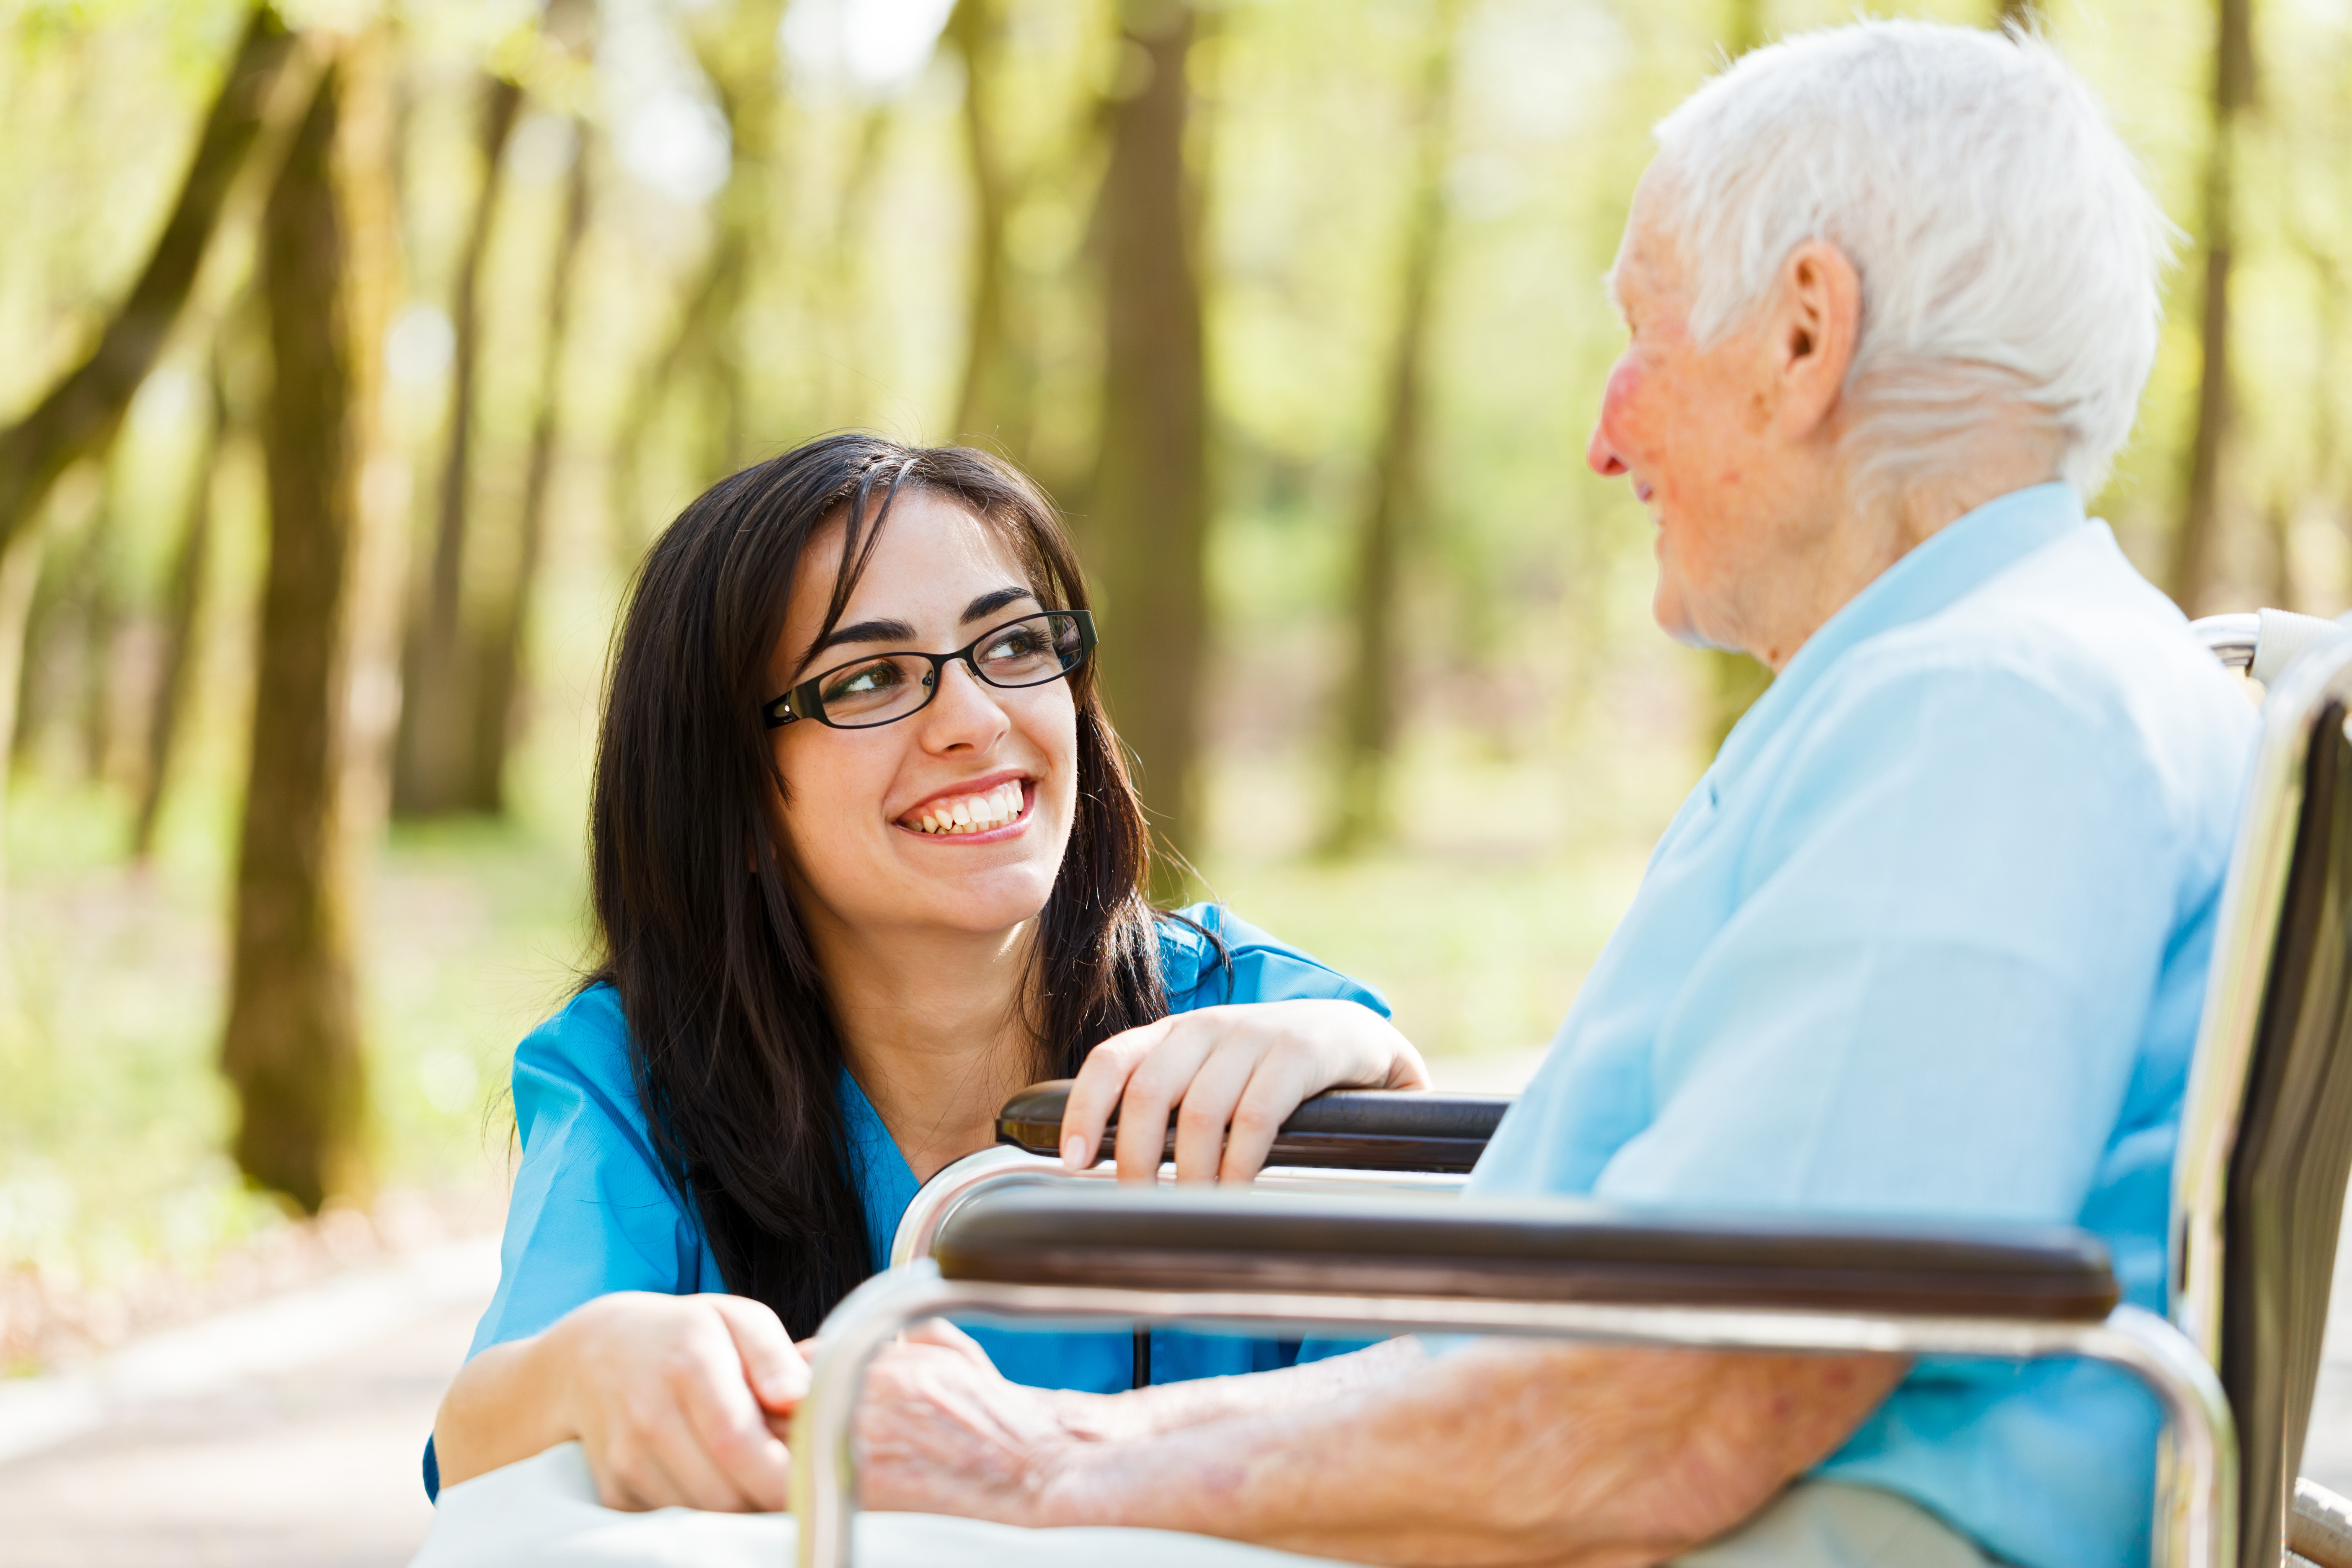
(1346, 1128)
(1520, 1249)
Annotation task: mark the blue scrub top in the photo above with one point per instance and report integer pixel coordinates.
(1929, 940)
(591, 1211)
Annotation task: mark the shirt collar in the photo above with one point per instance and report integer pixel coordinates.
(1950, 562)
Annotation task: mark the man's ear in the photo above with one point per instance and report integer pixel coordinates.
(1818, 324)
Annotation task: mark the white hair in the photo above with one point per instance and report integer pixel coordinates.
(2008, 249)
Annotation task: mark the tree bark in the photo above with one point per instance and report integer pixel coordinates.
(432, 762)
(993, 404)
(495, 715)
(1368, 705)
(2190, 570)
(80, 414)
(182, 605)
(291, 1048)
(1148, 496)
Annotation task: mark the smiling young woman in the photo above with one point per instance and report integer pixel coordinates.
(865, 859)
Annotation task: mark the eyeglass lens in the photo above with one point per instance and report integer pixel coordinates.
(876, 690)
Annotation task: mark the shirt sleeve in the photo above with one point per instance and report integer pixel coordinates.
(1945, 943)
(591, 1211)
(1251, 967)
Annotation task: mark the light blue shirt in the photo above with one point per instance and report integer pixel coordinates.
(593, 1213)
(1929, 940)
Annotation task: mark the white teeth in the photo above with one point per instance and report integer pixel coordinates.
(974, 812)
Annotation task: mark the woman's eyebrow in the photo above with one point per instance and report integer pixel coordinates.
(989, 604)
(864, 631)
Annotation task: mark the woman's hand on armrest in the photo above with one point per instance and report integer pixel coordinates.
(674, 1399)
(1233, 1074)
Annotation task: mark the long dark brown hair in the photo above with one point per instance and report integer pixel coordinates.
(732, 1041)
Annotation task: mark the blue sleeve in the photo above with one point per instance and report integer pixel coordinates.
(1931, 995)
(1252, 967)
(591, 1211)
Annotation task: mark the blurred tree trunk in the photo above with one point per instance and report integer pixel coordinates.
(1735, 681)
(737, 51)
(102, 627)
(847, 398)
(1367, 703)
(432, 766)
(80, 414)
(20, 570)
(2190, 570)
(291, 1047)
(994, 402)
(1149, 501)
(184, 601)
(495, 715)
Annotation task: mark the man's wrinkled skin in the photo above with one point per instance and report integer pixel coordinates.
(1551, 1454)
(1517, 1452)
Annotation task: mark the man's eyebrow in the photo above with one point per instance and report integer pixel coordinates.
(989, 604)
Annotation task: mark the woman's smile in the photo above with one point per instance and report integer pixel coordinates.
(986, 810)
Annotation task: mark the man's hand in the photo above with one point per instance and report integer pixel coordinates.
(939, 1430)
(1245, 1068)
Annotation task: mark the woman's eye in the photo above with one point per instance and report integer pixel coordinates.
(1023, 644)
(864, 682)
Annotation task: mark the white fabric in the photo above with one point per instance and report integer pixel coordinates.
(543, 1513)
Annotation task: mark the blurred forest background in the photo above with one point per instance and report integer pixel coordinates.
(351, 352)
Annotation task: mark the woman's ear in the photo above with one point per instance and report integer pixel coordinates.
(1818, 322)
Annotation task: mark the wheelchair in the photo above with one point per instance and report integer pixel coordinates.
(1349, 1228)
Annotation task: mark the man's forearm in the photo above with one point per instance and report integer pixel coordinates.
(1172, 1407)
(1547, 1455)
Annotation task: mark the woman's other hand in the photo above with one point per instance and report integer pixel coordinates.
(677, 1400)
(672, 1397)
(1233, 1074)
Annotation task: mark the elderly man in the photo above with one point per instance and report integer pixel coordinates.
(1929, 939)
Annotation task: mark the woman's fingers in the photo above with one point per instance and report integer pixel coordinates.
(1280, 1082)
(697, 1436)
(772, 1365)
(1101, 1080)
(1155, 1086)
(1218, 1088)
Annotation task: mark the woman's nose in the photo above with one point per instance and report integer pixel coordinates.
(965, 712)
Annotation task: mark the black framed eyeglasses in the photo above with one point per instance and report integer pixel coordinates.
(883, 688)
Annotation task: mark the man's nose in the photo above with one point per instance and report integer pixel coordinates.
(1600, 455)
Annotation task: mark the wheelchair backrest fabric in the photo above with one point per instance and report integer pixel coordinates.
(2293, 1153)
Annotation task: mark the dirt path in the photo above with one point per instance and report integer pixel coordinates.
(316, 1468)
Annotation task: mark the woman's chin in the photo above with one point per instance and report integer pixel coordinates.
(981, 903)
